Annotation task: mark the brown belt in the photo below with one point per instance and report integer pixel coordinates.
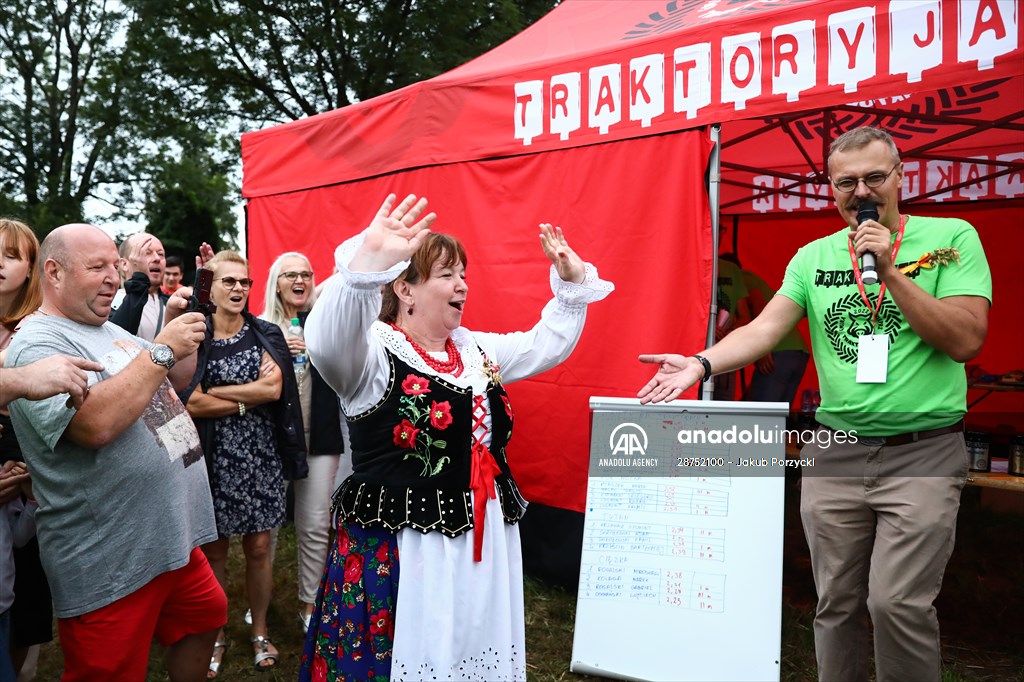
(904, 438)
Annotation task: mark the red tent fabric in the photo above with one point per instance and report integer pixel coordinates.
(583, 120)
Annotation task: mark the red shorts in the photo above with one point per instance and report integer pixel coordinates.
(113, 642)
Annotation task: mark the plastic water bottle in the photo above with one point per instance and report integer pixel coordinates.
(298, 359)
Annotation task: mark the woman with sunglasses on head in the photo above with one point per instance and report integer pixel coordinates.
(291, 291)
(245, 403)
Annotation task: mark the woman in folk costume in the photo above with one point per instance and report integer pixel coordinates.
(429, 513)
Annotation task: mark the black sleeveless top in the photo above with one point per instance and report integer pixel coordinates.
(411, 456)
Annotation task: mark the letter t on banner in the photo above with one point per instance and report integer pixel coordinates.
(529, 111)
(692, 81)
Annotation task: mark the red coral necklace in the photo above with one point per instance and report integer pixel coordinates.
(453, 365)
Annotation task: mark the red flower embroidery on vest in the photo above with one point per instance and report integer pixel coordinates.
(440, 415)
(405, 434)
(414, 385)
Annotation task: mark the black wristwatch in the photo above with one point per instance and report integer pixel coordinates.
(704, 362)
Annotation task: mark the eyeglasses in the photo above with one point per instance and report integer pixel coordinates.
(230, 282)
(873, 180)
(292, 276)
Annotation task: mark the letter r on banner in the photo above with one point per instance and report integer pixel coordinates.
(529, 111)
(565, 103)
(794, 57)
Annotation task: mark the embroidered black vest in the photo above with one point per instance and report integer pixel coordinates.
(411, 456)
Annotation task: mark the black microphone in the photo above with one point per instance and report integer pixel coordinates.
(867, 211)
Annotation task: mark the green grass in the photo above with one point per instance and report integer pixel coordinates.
(980, 609)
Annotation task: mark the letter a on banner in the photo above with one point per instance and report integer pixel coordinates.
(605, 93)
(988, 28)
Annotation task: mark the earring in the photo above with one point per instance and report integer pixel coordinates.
(410, 310)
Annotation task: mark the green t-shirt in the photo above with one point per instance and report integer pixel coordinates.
(925, 388)
(791, 341)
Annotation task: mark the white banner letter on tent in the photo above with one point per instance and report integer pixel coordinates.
(646, 88)
(529, 111)
(852, 48)
(912, 183)
(940, 174)
(988, 28)
(794, 56)
(763, 204)
(915, 37)
(970, 172)
(565, 103)
(605, 96)
(821, 190)
(692, 78)
(741, 69)
(1011, 185)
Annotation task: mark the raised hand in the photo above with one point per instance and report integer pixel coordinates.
(393, 235)
(205, 254)
(138, 255)
(568, 265)
(58, 374)
(675, 374)
(183, 334)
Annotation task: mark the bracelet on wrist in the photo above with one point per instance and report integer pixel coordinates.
(705, 364)
(241, 409)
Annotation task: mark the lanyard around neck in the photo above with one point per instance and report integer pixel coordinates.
(859, 278)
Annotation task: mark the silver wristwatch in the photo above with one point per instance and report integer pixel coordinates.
(162, 355)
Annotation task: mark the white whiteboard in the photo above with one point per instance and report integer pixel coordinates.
(681, 572)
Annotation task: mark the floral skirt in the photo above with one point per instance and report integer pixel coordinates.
(351, 633)
(459, 619)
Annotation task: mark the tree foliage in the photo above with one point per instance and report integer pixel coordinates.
(278, 60)
(139, 103)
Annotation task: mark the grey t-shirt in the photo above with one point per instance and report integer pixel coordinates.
(109, 520)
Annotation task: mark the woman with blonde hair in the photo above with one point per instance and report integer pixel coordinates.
(291, 291)
(245, 404)
(31, 614)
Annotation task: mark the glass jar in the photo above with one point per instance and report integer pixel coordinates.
(977, 451)
(1015, 464)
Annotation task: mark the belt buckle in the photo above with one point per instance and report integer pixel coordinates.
(871, 441)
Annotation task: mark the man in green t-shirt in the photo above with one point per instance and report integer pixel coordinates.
(879, 510)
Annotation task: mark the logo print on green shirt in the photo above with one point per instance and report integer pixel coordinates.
(848, 318)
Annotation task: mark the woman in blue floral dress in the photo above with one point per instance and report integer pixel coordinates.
(242, 375)
(429, 513)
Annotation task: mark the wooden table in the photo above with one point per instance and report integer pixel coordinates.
(989, 387)
(996, 480)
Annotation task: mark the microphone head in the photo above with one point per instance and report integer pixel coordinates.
(867, 211)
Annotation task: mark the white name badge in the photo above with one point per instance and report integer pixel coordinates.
(872, 358)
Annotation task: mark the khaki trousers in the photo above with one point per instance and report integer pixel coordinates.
(880, 536)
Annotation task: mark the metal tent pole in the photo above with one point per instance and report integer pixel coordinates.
(714, 195)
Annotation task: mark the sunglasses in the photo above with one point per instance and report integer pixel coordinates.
(230, 282)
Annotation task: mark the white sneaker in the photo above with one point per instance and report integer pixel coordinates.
(304, 618)
(248, 616)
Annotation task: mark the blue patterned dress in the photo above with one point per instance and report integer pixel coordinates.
(248, 488)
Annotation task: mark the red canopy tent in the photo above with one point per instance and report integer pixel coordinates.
(595, 119)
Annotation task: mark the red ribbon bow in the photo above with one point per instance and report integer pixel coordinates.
(481, 481)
